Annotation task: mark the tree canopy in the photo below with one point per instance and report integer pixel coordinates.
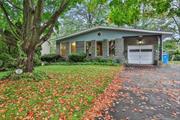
(31, 22)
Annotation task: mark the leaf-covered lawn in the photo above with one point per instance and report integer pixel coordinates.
(67, 94)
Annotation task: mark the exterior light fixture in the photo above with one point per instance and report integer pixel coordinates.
(140, 42)
(74, 44)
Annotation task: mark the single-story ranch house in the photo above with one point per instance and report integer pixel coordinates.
(131, 45)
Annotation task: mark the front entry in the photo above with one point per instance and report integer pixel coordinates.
(140, 54)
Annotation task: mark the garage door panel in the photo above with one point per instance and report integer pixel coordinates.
(134, 61)
(140, 54)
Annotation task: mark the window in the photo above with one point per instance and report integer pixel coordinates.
(99, 49)
(112, 48)
(63, 49)
(73, 47)
(88, 48)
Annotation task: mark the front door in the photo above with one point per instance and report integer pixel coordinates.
(140, 54)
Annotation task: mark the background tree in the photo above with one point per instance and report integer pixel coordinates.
(124, 12)
(36, 18)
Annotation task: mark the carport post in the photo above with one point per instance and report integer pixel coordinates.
(160, 48)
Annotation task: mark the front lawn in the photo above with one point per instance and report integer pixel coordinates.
(67, 94)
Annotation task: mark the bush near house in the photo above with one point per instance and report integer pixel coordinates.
(78, 57)
(174, 55)
(51, 58)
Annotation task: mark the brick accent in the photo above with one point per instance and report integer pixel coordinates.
(119, 49)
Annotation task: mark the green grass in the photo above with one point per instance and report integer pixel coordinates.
(67, 93)
(4, 74)
(174, 62)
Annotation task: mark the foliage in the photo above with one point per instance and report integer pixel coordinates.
(34, 76)
(67, 94)
(100, 59)
(31, 23)
(177, 57)
(37, 60)
(105, 60)
(52, 58)
(170, 45)
(1, 63)
(77, 57)
(124, 12)
(84, 16)
(87, 63)
(8, 60)
(5, 74)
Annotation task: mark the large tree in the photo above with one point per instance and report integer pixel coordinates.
(31, 23)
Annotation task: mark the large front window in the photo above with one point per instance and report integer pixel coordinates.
(99, 48)
(73, 47)
(112, 48)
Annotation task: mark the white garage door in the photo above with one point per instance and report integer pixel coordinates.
(140, 54)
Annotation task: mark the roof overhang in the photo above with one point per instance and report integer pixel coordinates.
(167, 34)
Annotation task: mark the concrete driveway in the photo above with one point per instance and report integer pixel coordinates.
(149, 93)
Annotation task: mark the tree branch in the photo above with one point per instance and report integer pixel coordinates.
(12, 26)
(55, 16)
(46, 36)
(13, 5)
(176, 24)
(38, 13)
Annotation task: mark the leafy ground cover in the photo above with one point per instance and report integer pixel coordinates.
(67, 94)
(4, 74)
(174, 62)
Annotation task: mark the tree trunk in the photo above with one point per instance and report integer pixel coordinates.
(29, 65)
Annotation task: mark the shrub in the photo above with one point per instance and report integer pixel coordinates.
(52, 58)
(79, 57)
(177, 57)
(1, 63)
(177, 52)
(37, 60)
(101, 60)
(8, 61)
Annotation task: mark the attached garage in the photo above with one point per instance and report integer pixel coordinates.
(134, 46)
(140, 54)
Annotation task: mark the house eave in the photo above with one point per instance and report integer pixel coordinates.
(116, 29)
